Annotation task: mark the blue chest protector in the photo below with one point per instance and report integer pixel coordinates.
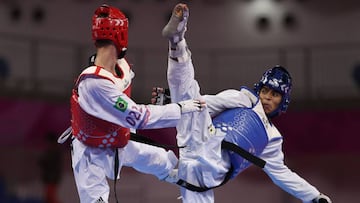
(244, 128)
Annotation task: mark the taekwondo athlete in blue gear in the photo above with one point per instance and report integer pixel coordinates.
(202, 162)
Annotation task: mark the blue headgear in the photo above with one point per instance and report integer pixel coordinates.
(278, 79)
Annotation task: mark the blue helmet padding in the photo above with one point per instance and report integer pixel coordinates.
(278, 79)
(244, 128)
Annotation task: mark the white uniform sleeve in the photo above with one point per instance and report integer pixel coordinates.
(282, 176)
(100, 98)
(226, 99)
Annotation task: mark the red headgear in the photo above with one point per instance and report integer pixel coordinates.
(110, 23)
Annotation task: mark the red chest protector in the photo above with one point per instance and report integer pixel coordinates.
(93, 131)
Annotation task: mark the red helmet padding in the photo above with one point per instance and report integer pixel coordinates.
(110, 23)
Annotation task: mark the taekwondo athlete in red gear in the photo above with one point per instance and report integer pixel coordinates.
(248, 123)
(103, 114)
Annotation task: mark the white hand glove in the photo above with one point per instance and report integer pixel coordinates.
(191, 105)
(322, 199)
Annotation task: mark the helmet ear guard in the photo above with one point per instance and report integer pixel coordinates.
(109, 23)
(278, 79)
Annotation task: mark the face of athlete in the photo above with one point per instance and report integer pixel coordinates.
(270, 99)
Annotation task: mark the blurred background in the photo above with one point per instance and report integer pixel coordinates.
(44, 45)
